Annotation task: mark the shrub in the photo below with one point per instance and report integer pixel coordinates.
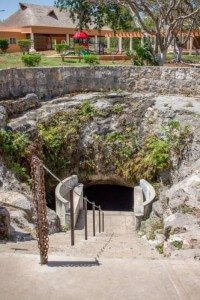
(78, 48)
(117, 108)
(177, 244)
(87, 109)
(4, 44)
(144, 53)
(61, 48)
(31, 60)
(132, 55)
(14, 150)
(24, 45)
(91, 59)
(160, 248)
(158, 153)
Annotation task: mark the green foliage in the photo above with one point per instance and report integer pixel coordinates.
(78, 49)
(13, 143)
(152, 158)
(177, 244)
(151, 227)
(31, 59)
(117, 108)
(86, 13)
(60, 48)
(80, 11)
(185, 209)
(143, 54)
(14, 149)
(178, 137)
(24, 45)
(156, 227)
(132, 56)
(20, 171)
(91, 59)
(118, 150)
(115, 148)
(157, 152)
(160, 248)
(4, 44)
(87, 109)
(60, 135)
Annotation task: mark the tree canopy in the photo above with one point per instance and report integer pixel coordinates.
(166, 20)
(86, 13)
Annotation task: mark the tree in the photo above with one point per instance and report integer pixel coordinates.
(166, 18)
(80, 11)
(24, 45)
(86, 13)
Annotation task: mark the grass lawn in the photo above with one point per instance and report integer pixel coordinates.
(186, 58)
(13, 60)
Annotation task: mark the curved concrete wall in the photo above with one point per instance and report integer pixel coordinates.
(62, 196)
(58, 81)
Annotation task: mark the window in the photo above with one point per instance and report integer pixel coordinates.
(52, 14)
(13, 41)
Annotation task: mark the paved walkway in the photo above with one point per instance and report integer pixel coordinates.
(114, 265)
(119, 240)
(22, 278)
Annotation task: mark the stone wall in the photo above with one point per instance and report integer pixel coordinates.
(58, 81)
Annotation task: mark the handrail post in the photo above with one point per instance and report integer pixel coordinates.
(102, 221)
(99, 219)
(93, 212)
(72, 216)
(85, 211)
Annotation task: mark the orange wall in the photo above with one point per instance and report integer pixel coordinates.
(57, 30)
(8, 35)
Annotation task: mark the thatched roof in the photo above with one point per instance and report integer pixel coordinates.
(38, 15)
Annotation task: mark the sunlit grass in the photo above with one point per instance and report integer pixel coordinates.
(13, 60)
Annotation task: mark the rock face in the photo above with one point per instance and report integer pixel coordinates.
(15, 108)
(53, 220)
(16, 205)
(5, 228)
(3, 116)
(48, 83)
(174, 222)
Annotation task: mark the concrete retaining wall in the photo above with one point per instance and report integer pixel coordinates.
(62, 196)
(58, 81)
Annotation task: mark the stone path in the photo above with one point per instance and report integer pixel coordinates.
(116, 264)
(119, 240)
(22, 278)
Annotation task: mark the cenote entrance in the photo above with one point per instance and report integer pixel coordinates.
(110, 197)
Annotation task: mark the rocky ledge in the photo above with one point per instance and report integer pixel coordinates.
(122, 138)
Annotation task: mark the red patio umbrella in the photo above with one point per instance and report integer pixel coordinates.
(80, 35)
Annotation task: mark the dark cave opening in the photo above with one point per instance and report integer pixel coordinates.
(110, 197)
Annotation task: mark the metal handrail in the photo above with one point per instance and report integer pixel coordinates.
(101, 214)
(101, 217)
(92, 203)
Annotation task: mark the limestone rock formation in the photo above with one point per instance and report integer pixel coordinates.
(16, 200)
(19, 106)
(5, 228)
(107, 140)
(3, 116)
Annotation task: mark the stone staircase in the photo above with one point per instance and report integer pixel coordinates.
(118, 241)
